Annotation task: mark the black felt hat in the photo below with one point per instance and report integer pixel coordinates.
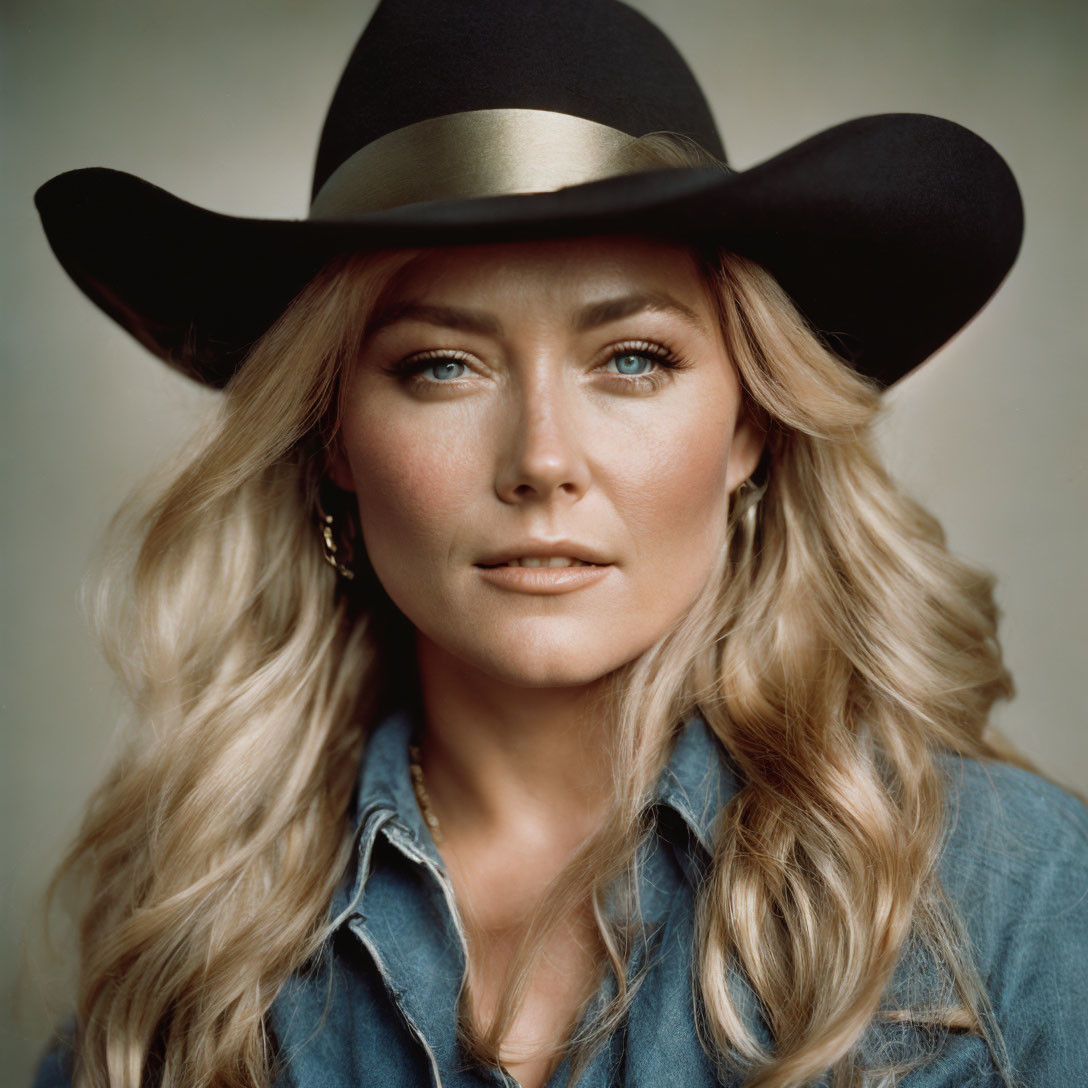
(471, 121)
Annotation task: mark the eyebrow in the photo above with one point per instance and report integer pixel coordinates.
(446, 317)
(615, 309)
(588, 317)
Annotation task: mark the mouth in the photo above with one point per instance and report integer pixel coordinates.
(543, 575)
(538, 553)
(547, 561)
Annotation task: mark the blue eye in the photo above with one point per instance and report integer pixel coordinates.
(633, 364)
(444, 369)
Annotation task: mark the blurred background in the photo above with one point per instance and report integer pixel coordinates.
(221, 103)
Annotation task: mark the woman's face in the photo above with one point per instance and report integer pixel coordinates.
(553, 401)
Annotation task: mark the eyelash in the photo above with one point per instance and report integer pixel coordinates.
(410, 370)
(666, 360)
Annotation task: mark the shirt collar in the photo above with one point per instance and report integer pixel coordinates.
(696, 783)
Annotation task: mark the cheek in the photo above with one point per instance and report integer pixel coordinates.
(675, 498)
(410, 483)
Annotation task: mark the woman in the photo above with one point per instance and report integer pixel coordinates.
(537, 676)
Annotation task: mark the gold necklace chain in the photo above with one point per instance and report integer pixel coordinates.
(423, 798)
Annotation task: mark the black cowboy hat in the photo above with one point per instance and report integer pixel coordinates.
(472, 121)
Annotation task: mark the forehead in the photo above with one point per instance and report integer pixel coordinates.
(562, 273)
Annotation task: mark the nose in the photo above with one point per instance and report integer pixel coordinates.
(543, 457)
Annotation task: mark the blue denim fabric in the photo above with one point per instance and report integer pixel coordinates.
(378, 1008)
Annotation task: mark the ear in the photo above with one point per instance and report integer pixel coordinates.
(338, 467)
(749, 441)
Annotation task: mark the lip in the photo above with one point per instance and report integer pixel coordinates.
(544, 580)
(539, 549)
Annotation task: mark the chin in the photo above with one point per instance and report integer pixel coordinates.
(559, 675)
(556, 666)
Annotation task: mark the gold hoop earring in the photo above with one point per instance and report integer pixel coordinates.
(329, 547)
(749, 492)
(744, 508)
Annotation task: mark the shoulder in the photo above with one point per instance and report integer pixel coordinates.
(988, 788)
(1005, 825)
(55, 1068)
(1015, 866)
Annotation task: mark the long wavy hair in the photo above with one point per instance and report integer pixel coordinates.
(838, 652)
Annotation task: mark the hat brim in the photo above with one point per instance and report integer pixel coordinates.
(889, 232)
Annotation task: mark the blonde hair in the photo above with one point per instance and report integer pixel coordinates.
(837, 652)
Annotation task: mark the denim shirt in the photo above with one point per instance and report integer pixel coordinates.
(377, 1009)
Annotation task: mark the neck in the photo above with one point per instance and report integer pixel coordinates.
(502, 759)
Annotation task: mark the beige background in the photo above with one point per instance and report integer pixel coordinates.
(221, 102)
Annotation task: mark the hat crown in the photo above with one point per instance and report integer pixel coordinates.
(596, 59)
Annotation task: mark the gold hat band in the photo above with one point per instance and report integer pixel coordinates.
(474, 154)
